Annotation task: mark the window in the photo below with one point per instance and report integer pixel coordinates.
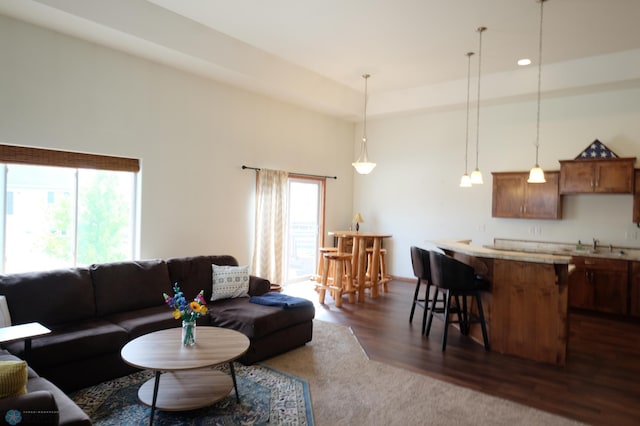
(56, 217)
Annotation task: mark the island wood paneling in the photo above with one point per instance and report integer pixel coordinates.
(529, 310)
(634, 290)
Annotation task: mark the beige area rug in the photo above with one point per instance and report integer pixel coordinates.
(347, 388)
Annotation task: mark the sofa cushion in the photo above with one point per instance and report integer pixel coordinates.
(194, 273)
(143, 321)
(229, 282)
(49, 297)
(13, 378)
(128, 286)
(69, 413)
(253, 320)
(72, 342)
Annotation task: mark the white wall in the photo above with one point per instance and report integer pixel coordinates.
(191, 134)
(413, 193)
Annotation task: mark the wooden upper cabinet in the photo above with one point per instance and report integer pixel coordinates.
(514, 197)
(636, 198)
(610, 176)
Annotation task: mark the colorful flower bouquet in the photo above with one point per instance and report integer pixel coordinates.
(188, 312)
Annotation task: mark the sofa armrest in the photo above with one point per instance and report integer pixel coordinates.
(258, 286)
(37, 407)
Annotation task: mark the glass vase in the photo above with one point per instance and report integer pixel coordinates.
(188, 333)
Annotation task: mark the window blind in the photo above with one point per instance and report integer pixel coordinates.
(48, 157)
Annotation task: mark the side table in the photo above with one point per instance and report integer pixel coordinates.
(23, 331)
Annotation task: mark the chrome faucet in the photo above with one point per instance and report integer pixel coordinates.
(595, 244)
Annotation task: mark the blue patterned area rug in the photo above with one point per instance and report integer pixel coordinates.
(267, 396)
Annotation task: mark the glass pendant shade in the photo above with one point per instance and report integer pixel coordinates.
(536, 175)
(364, 168)
(465, 181)
(362, 165)
(476, 177)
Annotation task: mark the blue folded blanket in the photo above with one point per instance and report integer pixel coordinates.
(282, 300)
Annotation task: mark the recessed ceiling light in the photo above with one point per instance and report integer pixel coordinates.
(524, 62)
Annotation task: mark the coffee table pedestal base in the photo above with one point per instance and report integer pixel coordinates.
(187, 390)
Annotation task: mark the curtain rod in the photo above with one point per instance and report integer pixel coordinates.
(293, 173)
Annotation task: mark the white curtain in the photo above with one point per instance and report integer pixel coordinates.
(271, 224)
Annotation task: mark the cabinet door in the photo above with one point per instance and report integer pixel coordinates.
(614, 177)
(581, 292)
(514, 197)
(542, 200)
(508, 195)
(634, 290)
(599, 284)
(576, 177)
(610, 291)
(636, 198)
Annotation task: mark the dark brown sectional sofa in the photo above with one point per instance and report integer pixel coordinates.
(93, 312)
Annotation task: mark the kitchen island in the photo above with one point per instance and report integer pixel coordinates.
(526, 307)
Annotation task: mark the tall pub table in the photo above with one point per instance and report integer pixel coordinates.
(359, 257)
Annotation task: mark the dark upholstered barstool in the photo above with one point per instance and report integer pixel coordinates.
(422, 271)
(455, 279)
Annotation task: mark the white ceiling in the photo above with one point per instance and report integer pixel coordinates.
(313, 53)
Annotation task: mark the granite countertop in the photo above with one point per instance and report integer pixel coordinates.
(566, 249)
(465, 247)
(539, 251)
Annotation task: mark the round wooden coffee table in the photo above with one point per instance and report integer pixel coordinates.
(182, 380)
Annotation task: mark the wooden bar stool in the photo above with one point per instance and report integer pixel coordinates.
(342, 283)
(321, 251)
(383, 277)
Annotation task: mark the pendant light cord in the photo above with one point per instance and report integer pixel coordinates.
(480, 30)
(539, 80)
(466, 144)
(364, 126)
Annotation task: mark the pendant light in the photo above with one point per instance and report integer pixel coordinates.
(363, 165)
(536, 174)
(476, 175)
(465, 180)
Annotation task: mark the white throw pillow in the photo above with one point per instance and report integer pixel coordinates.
(229, 282)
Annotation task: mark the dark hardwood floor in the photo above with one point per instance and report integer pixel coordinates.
(600, 384)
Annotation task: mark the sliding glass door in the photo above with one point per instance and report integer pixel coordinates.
(304, 227)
